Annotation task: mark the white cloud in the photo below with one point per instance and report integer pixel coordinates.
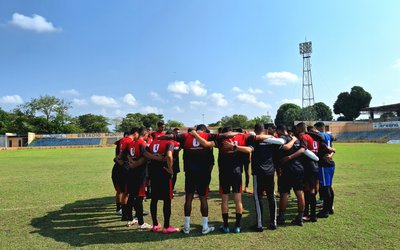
(251, 99)
(178, 87)
(130, 100)
(218, 99)
(79, 102)
(71, 92)
(236, 89)
(255, 91)
(178, 109)
(177, 96)
(194, 87)
(197, 88)
(11, 99)
(396, 65)
(295, 101)
(150, 109)
(281, 78)
(197, 104)
(36, 23)
(157, 97)
(104, 101)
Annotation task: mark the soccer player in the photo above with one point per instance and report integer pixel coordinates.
(161, 172)
(124, 173)
(198, 165)
(292, 175)
(230, 163)
(326, 172)
(263, 170)
(116, 177)
(136, 175)
(310, 172)
(160, 130)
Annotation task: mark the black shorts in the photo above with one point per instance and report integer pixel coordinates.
(197, 182)
(161, 185)
(291, 179)
(310, 179)
(229, 181)
(136, 182)
(264, 183)
(123, 179)
(116, 177)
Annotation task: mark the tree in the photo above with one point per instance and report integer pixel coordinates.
(215, 124)
(53, 109)
(387, 116)
(264, 119)
(5, 120)
(93, 123)
(139, 120)
(307, 114)
(235, 121)
(350, 104)
(323, 112)
(287, 114)
(174, 124)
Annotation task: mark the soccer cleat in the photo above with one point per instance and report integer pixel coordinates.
(156, 228)
(225, 229)
(323, 214)
(298, 221)
(144, 226)
(272, 226)
(207, 230)
(186, 230)
(118, 212)
(313, 218)
(170, 229)
(132, 222)
(236, 230)
(281, 220)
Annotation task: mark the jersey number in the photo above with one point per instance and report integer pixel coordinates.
(196, 143)
(155, 148)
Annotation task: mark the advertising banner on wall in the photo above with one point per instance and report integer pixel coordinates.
(387, 125)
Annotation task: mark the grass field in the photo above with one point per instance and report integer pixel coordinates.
(63, 198)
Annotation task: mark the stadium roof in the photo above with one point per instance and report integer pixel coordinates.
(383, 108)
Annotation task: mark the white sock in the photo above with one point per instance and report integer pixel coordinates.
(187, 221)
(205, 222)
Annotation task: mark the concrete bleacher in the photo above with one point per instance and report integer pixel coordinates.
(56, 142)
(374, 135)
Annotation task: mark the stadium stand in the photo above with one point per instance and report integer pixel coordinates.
(374, 135)
(54, 142)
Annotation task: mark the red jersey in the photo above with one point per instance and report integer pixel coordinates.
(124, 142)
(309, 143)
(137, 148)
(157, 134)
(196, 157)
(232, 157)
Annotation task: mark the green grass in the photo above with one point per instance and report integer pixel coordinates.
(63, 198)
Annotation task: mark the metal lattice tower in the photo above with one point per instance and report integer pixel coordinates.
(308, 91)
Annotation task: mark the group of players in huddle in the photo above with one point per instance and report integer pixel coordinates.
(301, 158)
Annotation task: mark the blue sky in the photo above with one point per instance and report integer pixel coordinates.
(188, 58)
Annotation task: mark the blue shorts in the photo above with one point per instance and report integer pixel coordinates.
(325, 176)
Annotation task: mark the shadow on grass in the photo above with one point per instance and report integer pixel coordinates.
(91, 221)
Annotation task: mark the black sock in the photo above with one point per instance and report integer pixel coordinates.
(225, 219)
(332, 198)
(307, 203)
(300, 215)
(313, 204)
(167, 212)
(129, 209)
(153, 211)
(272, 207)
(238, 219)
(117, 206)
(124, 212)
(138, 204)
(282, 213)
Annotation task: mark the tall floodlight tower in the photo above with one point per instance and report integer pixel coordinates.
(308, 91)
